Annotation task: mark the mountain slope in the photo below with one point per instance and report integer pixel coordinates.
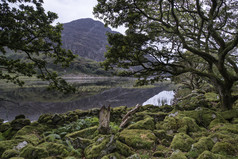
(86, 38)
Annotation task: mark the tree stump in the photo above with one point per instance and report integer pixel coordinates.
(104, 120)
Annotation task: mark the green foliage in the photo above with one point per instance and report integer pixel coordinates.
(158, 43)
(27, 30)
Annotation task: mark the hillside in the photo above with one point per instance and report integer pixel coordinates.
(86, 38)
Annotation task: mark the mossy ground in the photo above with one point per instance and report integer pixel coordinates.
(153, 132)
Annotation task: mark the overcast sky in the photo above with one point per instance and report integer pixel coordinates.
(69, 10)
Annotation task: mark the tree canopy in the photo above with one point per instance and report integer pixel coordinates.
(166, 38)
(26, 30)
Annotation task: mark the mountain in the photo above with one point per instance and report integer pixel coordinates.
(86, 38)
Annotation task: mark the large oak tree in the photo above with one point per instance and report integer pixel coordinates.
(28, 41)
(172, 37)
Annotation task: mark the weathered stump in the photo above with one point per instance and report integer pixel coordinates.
(104, 120)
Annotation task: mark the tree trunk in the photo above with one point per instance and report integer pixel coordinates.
(226, 98)
(104, 120)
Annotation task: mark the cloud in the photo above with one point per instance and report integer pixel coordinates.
(69, 10)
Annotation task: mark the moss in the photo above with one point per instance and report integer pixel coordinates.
(230, 114)
(182, 142)
(202, 116)
(5, 127)
(216, 122)
(113, 156)
(124, 149)
(211, 97)
(30, 138)
(178, 155)
(17, 124)
(147, 123)
(224, 148)
(45, 118)
(170, 123)
(76, 153)
(95, 150)
(159, 154)
(80, 142)
(207, 155)
(204, 143)
(71, 116)
(137, 138)
(54, 149)
(8, 144)
(9, 133)
(117, 113)
(161, 134)
(33, 152)
(10, 153)
(85, 133)
(187, 125)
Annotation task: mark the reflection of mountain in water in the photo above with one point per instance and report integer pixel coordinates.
(164, 97)
(113, 97)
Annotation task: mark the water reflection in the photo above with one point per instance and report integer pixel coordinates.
(164, 97)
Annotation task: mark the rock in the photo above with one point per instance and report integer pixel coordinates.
(178, 155)
(187, 125)
(161, 134)
(182, 142)
(224, 148)
(137, 138)
(45, 118)
(207, 155)
(147, 123)
(204, 143)
(21, 145)
(54, 149)
(230, 114)
(71, 116)
(79, 142)
(9, 154)
(88, 133)
(124, 149)
(33, 152)
(102, 146)
(113, 156)
(4, 127)
(58, 119)
(8, 144)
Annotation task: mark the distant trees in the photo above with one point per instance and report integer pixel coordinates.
(26, 29)
(168, 38)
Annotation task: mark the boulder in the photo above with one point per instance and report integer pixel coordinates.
(182, 142)
(138, 138)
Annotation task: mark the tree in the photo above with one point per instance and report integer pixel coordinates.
(28, 42)
(161, 33)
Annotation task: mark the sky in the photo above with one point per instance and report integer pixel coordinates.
(69, 10)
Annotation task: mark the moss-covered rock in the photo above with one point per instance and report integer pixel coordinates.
(224, 148)
(113, 156)
(162, 134)
(178, 155)
(182, 142)
(124, 149)
(147, 123)
(54, 149)
(58, 119)
(170, 123)
(8, 144)
(229, 114)
(210, 155)
(204, 143)
(202, 116)
(117, 113)
(187, 125)
(80, 142)
(138, 138)
(71, 116)
(88, 133)
(33, 152)
(46, 119)
(5, 127)
(211, 97)
(10, 153)
(9, 133)
(98, 148)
